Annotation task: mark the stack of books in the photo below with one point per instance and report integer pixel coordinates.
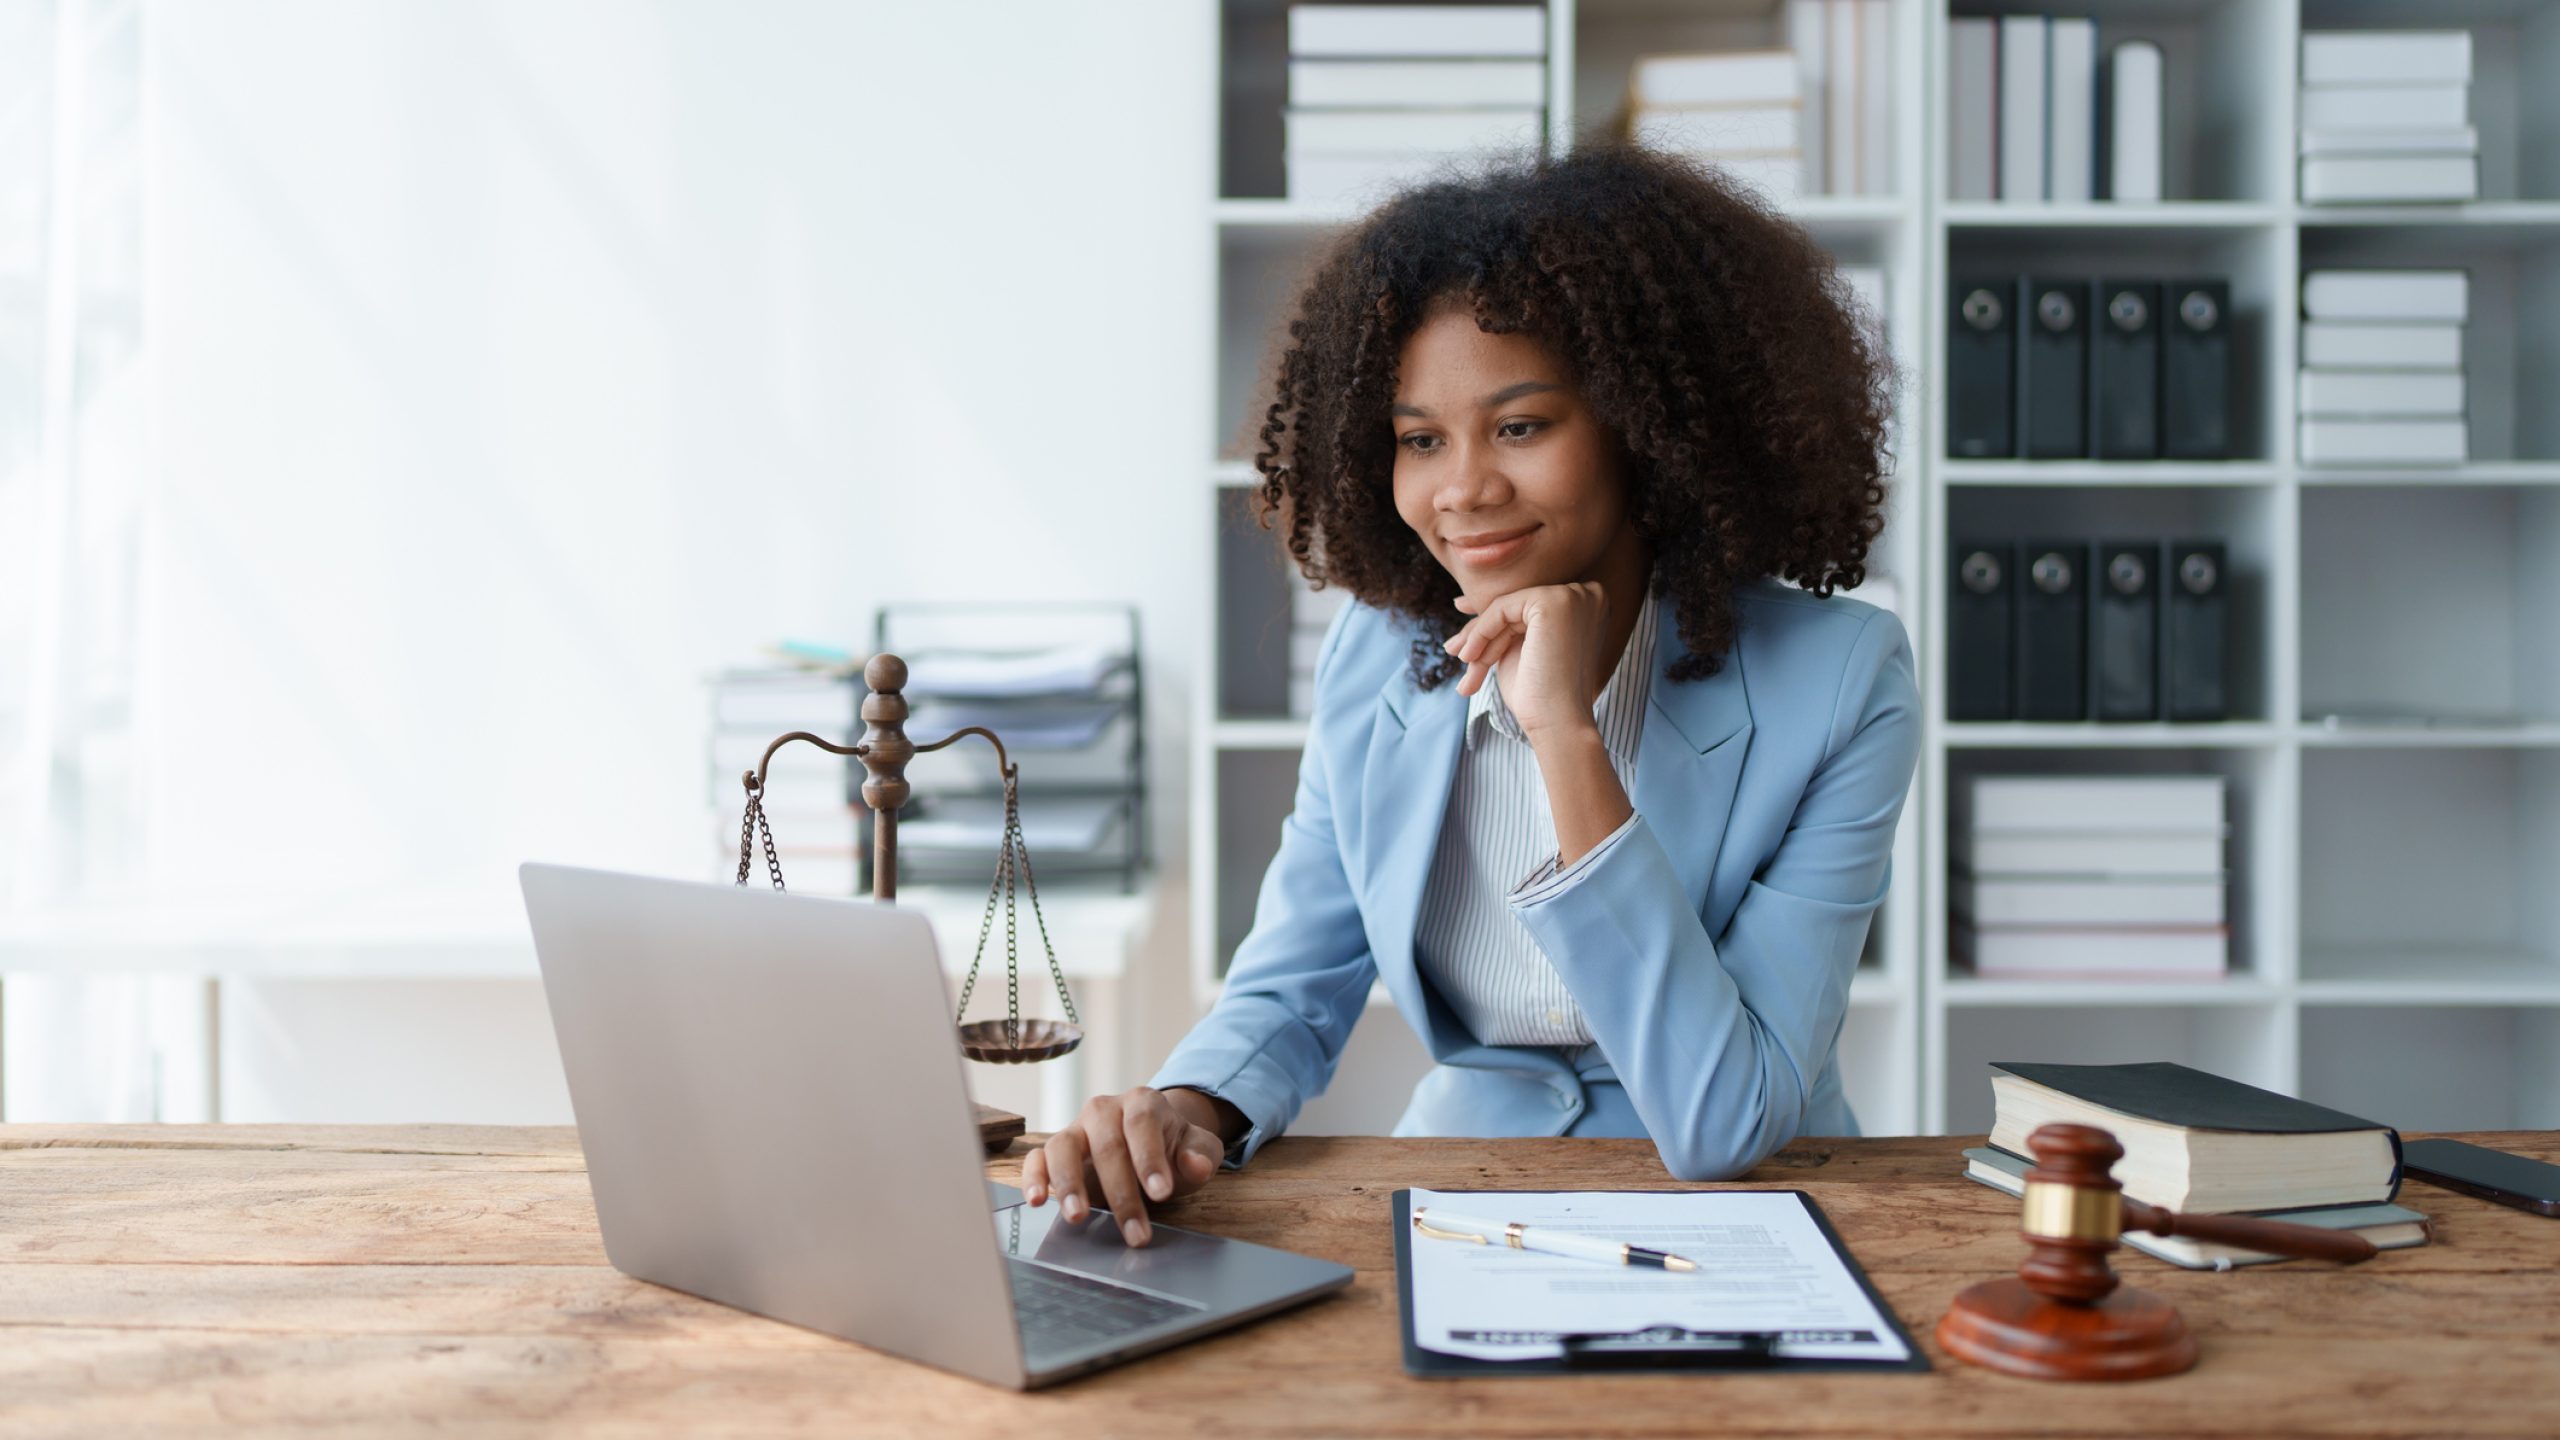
(1813, 118)
(2090, 876)
(808, 794)
(2201, 1144)
(2381, 380)
(1382, 94)
(2386, 116)
(2023, 120)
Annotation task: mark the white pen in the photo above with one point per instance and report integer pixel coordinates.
(1444, 1226)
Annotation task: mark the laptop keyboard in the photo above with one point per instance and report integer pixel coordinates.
(1063, 1309)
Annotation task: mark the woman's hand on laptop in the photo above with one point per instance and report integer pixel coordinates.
(1123, 1150)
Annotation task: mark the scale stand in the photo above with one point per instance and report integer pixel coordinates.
(884, 751)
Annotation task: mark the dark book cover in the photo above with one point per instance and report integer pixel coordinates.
(2180, 1095)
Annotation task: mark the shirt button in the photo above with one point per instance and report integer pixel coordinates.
(1555, 1017)
(1563, 1101)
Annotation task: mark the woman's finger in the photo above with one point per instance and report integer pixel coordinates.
(1108, 1140)
(1066, 1162)
(1143, 1126)
(1035, 1177)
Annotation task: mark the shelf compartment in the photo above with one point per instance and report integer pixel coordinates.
(2244, 519)
(2431, 600)
(2227, 125)
(2515, 49)
(2434, 1067)
(2445, 853)
(1879, 1053)
(2256, 805)
(2244, 1041)
(2404, 975)
(2263, 297)
(1256, 791)
(2510, 360)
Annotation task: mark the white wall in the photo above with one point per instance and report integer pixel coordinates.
(519, 361)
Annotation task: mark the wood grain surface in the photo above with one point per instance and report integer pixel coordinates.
(449, 1279)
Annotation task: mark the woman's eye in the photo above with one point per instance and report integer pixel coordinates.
(1417, 443)
(1525, 427)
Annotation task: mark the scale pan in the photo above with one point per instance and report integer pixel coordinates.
(1035, 1040)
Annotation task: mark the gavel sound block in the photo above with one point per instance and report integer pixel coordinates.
(2065, 1316)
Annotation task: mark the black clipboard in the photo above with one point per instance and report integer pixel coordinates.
(1432, 1365)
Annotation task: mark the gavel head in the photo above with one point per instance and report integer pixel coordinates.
(2072, 1213)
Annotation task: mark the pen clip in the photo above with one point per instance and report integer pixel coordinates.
(1436, 1233)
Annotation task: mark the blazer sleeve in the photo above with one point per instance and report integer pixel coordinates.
(1718, 1039)
(1300, 977)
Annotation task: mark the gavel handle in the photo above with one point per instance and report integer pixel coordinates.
(2275, 1237)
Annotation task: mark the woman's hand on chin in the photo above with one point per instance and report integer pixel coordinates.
(1547, 639)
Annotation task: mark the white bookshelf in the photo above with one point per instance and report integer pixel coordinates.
(2396, 889)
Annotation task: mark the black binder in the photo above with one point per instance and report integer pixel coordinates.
(2053, 627)
(1980, 581)
(1981, 367)
(2124, 629)
(1433, 1365)
(2124, 369)
(2195, 371)
(2195, 632)
(2053, 368)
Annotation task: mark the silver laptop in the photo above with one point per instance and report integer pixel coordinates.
(770, 1097)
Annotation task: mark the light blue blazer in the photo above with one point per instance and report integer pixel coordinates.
(1710, 947)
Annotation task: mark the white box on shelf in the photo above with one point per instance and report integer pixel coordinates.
(1418, 30)
(1720, 130)
(2379, 392)
(2357, 345)
(2022, 91)
(2071, 110)
(1806, 40)
(1405, 84)
(2084, 803)
(2399, 140)
(2119, 853)
(1875, 97)
(2387, 295)
(1724, 77)
(2060, 900)
(2385, 107)
(2137, 110)
(2063, 952)
(1373, 132)
(2384, 442)
(2386, 57)
(2382, 179)
(1973, 107)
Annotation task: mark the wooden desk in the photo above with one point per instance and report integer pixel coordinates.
(183, 1279)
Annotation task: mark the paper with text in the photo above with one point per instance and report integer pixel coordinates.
(1763, 1264)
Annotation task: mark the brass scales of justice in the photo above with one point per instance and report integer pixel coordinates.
(884, 751)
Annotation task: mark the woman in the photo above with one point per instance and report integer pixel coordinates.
(1606, 805)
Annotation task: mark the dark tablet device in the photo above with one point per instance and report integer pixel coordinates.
(2489, 1174)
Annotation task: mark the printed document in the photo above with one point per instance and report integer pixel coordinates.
(1764, 1264)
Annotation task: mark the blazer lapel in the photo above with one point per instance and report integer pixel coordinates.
(1696, 733)
(1404, 801)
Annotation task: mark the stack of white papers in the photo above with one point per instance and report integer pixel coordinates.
(1764, 1264)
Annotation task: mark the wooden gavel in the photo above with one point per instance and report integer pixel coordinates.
(2064, 1317)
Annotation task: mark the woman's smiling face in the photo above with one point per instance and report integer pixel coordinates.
(1506, 476)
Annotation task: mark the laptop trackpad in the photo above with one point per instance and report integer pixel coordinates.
(1184, 1263)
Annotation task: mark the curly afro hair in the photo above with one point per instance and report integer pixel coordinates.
(1711, 334)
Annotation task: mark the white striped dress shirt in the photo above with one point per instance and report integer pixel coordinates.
(1498, 849)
